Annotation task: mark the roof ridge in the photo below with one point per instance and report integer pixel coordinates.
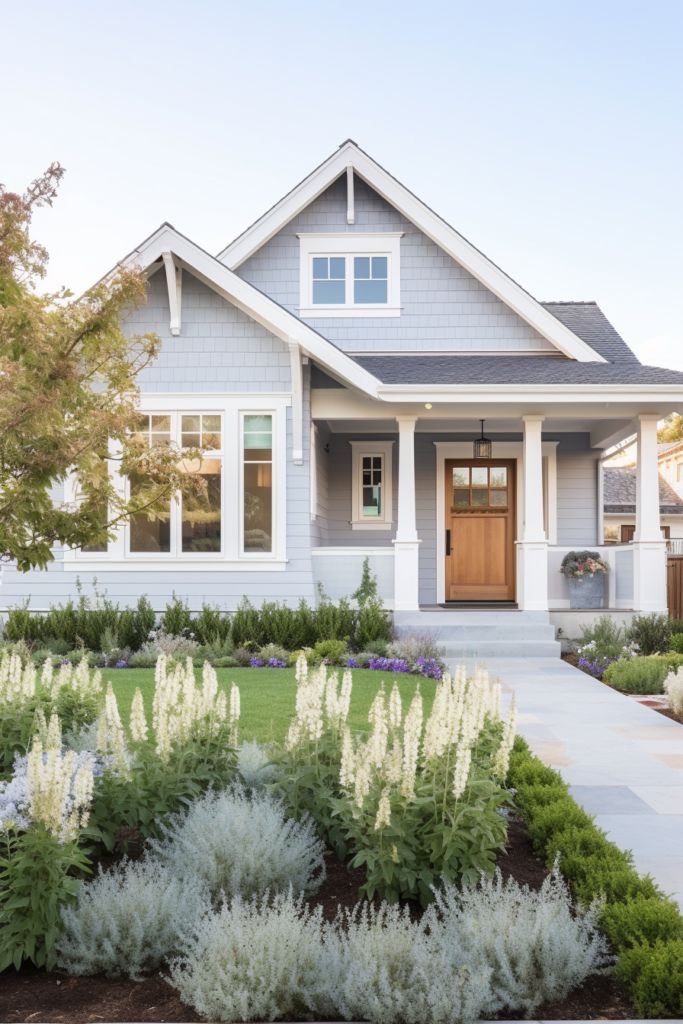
(569, 302)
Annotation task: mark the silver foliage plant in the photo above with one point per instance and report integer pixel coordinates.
(252, 960)
(376, 964)
(254, 765)
(536, 945)
(240, 843)
(126, 921)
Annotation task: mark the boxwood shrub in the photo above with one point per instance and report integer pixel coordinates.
(645, 928)
(642, 675)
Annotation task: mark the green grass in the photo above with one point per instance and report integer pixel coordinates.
(267, 695)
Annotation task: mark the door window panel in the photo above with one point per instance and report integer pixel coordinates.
(480, 487)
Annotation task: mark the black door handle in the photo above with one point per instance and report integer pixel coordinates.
(448, 542)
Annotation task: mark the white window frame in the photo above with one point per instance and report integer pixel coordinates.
(383, 449)
(232, 407)
(348, 245)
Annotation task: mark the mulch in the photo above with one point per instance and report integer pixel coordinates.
(51, 996)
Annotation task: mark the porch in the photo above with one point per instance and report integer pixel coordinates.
(430, 544)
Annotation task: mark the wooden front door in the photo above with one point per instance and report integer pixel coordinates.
(480, 529)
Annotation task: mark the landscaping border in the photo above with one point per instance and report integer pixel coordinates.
(644, 928)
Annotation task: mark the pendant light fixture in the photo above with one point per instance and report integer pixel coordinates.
(483, 446)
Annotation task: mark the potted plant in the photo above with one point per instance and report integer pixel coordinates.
(585, 572)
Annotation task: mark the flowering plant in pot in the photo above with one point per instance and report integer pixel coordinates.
(585, 572)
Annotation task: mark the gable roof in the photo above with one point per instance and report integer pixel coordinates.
(588, 321)
(274, 317)
(542, 319)
(619, 492)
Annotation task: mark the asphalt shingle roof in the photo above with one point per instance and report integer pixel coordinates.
(619, 490)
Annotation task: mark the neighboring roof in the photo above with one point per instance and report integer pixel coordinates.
(501, 369)
(619, 492)
(546, 321)
(590, 323)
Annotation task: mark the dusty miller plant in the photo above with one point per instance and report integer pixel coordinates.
(239, 843)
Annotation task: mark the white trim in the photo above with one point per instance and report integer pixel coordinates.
(501, 450)
(297, 403)
(384, 449)
(313, 470)
(174, 281)
(347, 245)
(232, 408)
(350, 201)
(441, 233)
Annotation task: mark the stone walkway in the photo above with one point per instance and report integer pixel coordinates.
(622, 760)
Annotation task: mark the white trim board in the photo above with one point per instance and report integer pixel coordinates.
(433, 226)
(501, 450)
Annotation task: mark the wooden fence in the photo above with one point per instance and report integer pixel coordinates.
(674, 581)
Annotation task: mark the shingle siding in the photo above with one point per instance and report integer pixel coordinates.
(444, 308)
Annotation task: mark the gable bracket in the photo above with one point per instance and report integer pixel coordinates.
(174, 282)
(350, 200)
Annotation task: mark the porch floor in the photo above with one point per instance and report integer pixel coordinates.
(622, 760)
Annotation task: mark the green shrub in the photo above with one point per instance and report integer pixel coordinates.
(334, 652)
(654, 976)
(373, 624)
(676, 643)
(212, 626)
(642, 925)
(642, 675)
(650, 632)
(246, 625)
(606, 638)
(335, 621)
(22, 625)
(641, 920)
(176, 618)
(135, 625)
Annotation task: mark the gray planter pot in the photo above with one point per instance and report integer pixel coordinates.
(587, 591)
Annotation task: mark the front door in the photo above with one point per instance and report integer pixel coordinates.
(480, 529)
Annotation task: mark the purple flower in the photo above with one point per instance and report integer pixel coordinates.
(389, 664)
(274, 662)
(121, 663)
(595, 668)
(429, 667)
(352, 663)
(256, 662)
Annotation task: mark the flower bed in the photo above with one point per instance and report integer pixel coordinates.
(417, 805)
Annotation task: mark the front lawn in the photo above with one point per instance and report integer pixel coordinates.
(267, 695)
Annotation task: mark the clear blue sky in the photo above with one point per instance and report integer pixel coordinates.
(549, 133)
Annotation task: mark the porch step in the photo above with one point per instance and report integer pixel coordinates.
(485, 633)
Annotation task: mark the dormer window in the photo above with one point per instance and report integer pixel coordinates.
(353, 274)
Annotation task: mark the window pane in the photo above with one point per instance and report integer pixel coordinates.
(201, 522)
(258, 507)
(461, 476)
(461, 498)
(191, 424)
(149, 535)
(499, 476)
(319, 268)
(480, 498)
(337, 267)
(372, 501)
(379, 266)
(370, 291)
(480, 476)
(361, 266)
(161, 423)
(329, 292)
(191, 441)
(499, 498)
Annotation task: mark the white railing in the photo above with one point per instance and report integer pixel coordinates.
(618, 585)
(674, 546)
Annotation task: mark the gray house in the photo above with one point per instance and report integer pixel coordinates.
(336, 362)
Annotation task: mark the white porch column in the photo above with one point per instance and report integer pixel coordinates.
(406, 544)
(532, 547)
(649, 549)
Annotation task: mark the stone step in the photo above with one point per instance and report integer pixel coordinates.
(471, 617)
(457, 651)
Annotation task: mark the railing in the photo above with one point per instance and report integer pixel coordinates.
(674, 546)
(618, 585)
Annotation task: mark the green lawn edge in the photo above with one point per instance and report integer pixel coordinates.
(644, 927)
